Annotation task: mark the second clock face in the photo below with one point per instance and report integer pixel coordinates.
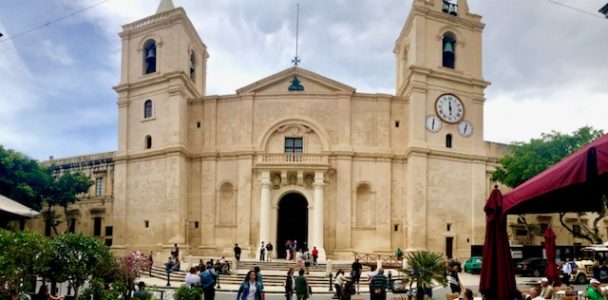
(449, 108)
(433, 124)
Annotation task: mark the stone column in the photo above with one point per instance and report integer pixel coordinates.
(265, 208)
(317, 232)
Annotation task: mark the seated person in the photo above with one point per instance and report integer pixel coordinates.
(176, 265)
(546, 289)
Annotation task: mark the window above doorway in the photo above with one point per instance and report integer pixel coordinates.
(293, 145)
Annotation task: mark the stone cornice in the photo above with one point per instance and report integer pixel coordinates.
(154, 154)
(184, 85)
(420, 151)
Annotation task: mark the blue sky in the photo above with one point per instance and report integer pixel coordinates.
(546, 62)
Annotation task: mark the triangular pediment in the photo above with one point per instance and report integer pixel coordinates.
(311, 81)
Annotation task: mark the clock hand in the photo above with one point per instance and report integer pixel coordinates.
(450, 107)
(465, 127)
(433, 124)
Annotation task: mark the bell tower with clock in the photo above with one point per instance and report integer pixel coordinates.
(439, 70)
(439, 74)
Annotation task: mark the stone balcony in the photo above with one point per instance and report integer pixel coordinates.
(290, 160)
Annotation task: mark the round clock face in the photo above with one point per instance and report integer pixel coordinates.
(432, 123)
(465, 128)
(449, 108)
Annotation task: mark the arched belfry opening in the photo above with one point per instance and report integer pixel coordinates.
(292, 223)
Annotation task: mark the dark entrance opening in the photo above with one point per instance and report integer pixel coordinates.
(292, 223)
(449, 245)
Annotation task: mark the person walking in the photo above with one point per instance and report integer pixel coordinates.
(250, 289)
(454, 281)
(237, 252)
(301, 286)
(378, 286)
(289, 284)
(566, 271)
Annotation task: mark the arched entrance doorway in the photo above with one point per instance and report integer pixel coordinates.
(292, 223)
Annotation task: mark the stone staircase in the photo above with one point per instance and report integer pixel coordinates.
(274, 273)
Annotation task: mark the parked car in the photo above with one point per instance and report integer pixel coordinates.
(533, 266)
(473, 264)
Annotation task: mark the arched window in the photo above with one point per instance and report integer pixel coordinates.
(192, 66)
(149, 57)
(449, 50)
(448, 140)
(148, 109)
(148, 142)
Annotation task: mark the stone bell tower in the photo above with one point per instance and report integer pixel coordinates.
(438, 59)
(163, 68)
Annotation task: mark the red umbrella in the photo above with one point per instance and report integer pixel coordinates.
(580, 176)
(551, 271)
(497, 279)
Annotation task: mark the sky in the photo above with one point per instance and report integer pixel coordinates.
(546, 60)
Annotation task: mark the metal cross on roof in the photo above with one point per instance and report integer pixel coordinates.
(296, 60)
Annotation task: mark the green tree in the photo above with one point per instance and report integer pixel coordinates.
(22, 178)
(527, 159)
(79, 257)
(425, 268)
(22, 254)
(63, 191)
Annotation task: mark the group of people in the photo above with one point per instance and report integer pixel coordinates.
(203, 276)
(266, 251)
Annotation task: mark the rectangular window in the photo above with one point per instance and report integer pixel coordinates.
(109, 242)
(293, 145)
(97, 226)
(576, 229)
(98, 186)
(72, 225)
(109, 230)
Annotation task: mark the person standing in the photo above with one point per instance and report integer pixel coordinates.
(237, 252)
(355, 273)
(339, 283)
(566, 271)
(175, 251)
(454, 281)
(150, 263)
(208, 278)
(250, 289)
(192, 278)
(262, 251)
(258, 277)
(399, 254)
(378, 286)
(301, 286)
(269, 249)
(289, 284)
(315, 255)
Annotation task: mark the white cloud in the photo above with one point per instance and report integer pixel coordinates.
(57, 53)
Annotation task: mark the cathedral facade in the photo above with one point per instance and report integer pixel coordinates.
(296, 155)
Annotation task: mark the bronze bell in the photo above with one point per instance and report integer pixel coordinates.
(448, 46)
(452, 10)
(150, 54)
(446, 6)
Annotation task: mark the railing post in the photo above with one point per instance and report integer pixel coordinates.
(390, 281)
(168, 278)
(331, 286)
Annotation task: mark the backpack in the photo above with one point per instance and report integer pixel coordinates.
(207, 279)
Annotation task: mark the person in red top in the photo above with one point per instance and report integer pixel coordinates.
(315, 255)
